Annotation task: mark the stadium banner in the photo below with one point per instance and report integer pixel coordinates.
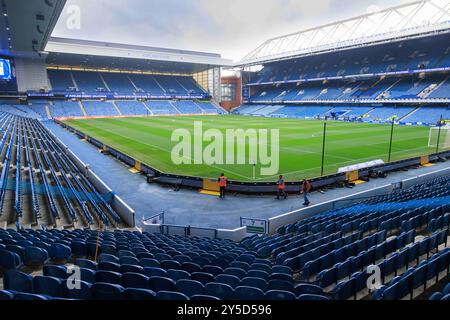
(255, 226)
(33, 94)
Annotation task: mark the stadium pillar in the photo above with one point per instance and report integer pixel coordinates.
(390, 141)
(323, 148)
(439, 134)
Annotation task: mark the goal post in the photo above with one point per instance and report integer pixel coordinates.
(441, 135)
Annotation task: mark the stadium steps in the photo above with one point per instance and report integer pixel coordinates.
(187, 91)
(174, 105)
(132, 83)
(104, 82)
(75, 84)
(147, 108)
(117, 108)
(382, 94)
(47, 110)
(436, 87)
(198, 105)
(410, 114)
(83, 109)
(159, 85)
(367, 113)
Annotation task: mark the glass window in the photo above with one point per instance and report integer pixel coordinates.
(228, 92)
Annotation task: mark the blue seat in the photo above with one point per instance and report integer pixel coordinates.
(248, 293)
(170, 264)
(48, 286)
(18, 281)
(219, 290)
(228, 279)
(131, 268)
(306, 288)
(134, 280)
(129, 260)
(79, 290)
(149, 263)
(59, 272)
(446, 297)
(254, 282)
(161, 284)
(108, 277)
(281, 276)
(60, 252)
(248, 258)
(240, 264)
(155, 272)
(344, 290)
(214, 270)
(9, 260)
(107, 291)
(108, 249)
(108, 266)
(105, 257)
(125, 253)
(280, 295)
(29, 297)
(202, 277)
(176, 275)
(87, 264)
(6, 295)
(171, 295)
(436, 296)
(446, 289)
(191, 267)
(79, 248)
(182, 258)
(281, 285)
(87, 275)
(282, 269)
(419, 277)
(35, 256)
(139, 294)
(312, 297)
(201, 297)
(240, 273)
(258, 274)
(190, 287)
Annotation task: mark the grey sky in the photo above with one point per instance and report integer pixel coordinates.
(230, 27)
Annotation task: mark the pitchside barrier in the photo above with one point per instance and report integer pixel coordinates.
(258, 188)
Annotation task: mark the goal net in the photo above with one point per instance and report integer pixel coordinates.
(442, 135)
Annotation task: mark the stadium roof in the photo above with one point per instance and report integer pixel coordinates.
(25, 26)
(416, 19)
(103, 55)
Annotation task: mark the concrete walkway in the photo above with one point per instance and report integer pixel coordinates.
(188, 207)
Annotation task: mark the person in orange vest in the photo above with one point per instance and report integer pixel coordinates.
(222, 185)
(281, 186)
(305, 189)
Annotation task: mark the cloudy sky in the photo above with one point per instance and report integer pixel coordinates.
(230, 27)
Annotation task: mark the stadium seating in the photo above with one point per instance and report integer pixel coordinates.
(330, 251)
(100, 109)
(67, 193)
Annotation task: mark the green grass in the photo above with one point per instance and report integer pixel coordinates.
(149, 140)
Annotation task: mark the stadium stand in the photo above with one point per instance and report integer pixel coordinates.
(132, 108)
(404, 233)
(52, 191)
(96, 108)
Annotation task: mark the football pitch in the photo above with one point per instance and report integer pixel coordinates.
(148, 139)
